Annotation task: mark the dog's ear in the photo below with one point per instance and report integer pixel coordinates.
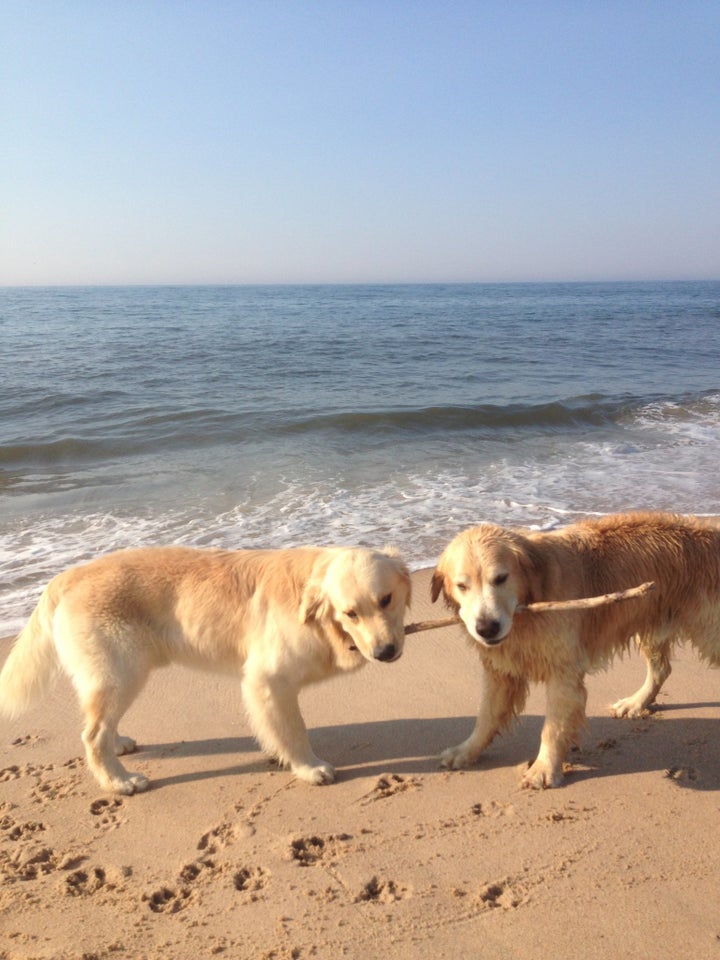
(530, 565)
(436, 584)
(402, 570)
(313, 602)
(313, 605)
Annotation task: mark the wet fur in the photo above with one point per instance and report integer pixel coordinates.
(278, 619)
(682, 556)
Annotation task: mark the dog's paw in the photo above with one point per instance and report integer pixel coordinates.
(124, 745)
(319, 773)
(541, 776)
(458, 757)
(628, 707)
(132, 783)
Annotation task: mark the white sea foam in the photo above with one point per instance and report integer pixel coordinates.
(417, 511)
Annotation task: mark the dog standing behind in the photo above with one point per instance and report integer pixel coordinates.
(280, 619)
(487, 571)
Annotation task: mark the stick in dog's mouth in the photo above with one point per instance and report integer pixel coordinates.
(582, 603)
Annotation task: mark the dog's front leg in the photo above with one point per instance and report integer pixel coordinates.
(503, 697)
(565, 715)
(274, 714)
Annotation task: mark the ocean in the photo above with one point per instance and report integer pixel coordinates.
(272, 416)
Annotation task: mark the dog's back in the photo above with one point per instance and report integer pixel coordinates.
(680, 554)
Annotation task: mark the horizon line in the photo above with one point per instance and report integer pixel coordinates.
(343, 283)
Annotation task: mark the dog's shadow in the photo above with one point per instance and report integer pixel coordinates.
(683, 749)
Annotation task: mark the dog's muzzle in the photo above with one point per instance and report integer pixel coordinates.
(387, 653)
(489, 631)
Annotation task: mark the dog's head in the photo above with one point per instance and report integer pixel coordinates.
(484, 574)
(360, 596)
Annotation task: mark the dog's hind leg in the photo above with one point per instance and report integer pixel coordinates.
(274, 714)
(658, 669)
(103, 707)
(503, 697)
(565, 715)
(108, 669)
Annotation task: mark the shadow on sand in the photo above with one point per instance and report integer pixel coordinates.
(686, 750)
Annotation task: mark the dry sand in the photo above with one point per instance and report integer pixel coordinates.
(228, 856)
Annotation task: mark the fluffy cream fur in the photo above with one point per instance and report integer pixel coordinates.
(280, 619)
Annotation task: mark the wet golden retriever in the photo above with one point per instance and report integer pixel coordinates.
(280, 619)
(487, 571)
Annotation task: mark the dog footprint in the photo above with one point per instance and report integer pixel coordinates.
(172, 899)
(198, 869)
(382, 891)
(106, 810)
(682, 774)
(250, 881)
(390, 784)
(47, 790)
(22, 831)
(608, 744)
(217, 838)
(12, 772)
(28, 740)
(502, 895)
(307, 851)
(493, 809)
(81, 883)
(31, 862)
(167, 899)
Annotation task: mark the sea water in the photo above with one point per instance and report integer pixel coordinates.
(274, 416)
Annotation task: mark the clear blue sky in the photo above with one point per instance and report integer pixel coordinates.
(358, 140)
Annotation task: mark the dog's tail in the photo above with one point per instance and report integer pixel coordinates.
(33, 662)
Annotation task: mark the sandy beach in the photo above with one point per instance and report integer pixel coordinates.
(228, 856)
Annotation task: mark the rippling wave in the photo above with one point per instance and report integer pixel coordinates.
(277, 416)
(199, 428)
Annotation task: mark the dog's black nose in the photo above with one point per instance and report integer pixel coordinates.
(489, 630)
(388, 652)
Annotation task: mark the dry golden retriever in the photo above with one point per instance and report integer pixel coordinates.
(487, 571)
(280, 619)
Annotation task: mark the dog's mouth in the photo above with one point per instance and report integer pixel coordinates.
(490, 643)
(350, 644)
(488, 633)
(388, 654)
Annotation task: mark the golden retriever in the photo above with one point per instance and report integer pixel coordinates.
(486, 572)
(280, 619)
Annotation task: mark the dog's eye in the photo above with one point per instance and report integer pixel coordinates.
(500, 579)
(351, 615)
(385, 602)
(462, 587)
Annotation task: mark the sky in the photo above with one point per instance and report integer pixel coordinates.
(354, 141)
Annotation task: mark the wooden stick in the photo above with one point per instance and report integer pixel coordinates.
(586, 602)
(431, 624)
(583, 603)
